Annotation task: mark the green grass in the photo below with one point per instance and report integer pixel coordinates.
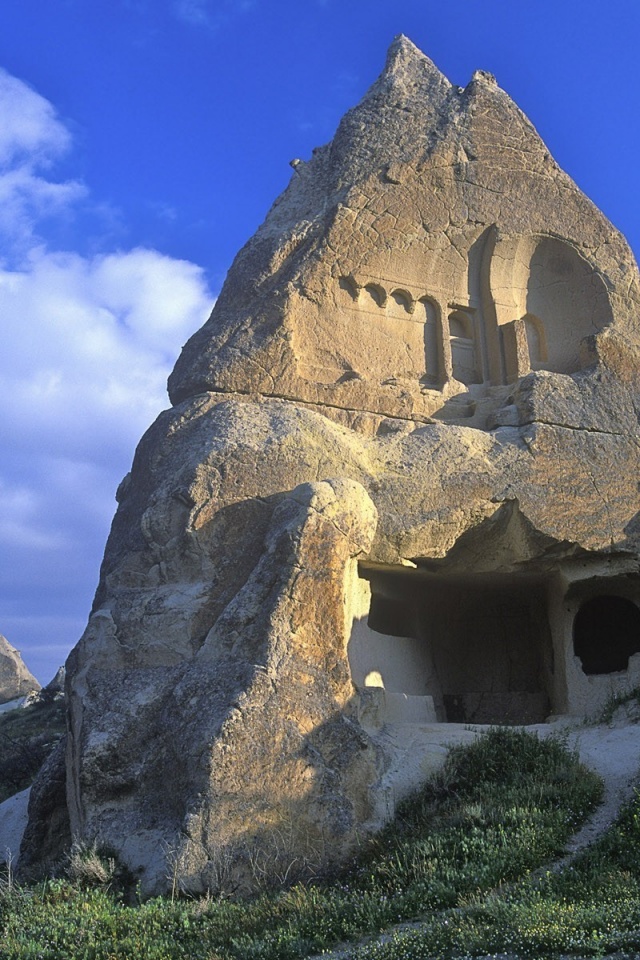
(590, 909)
(500, 808)
(27, 737)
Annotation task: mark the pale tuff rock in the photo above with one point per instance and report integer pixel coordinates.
(398, 486)
(54, 690)
(435, 214)
(15, 679)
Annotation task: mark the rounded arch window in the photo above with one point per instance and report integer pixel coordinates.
(606, 632)
(428, 313)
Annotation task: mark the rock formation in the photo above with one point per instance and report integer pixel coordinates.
(398, 485)
(15, 679)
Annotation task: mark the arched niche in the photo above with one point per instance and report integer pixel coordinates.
(400, 304)
(464, 355)
(373, 296)
(349, 286)
(606, 632)
(568, 298)
(556, 296)
(428, 313)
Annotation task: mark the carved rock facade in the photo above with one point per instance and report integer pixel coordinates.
(397, 486)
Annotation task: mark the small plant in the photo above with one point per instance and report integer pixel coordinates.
(282, 860)
(629, 699)
(7, 880)
(89, 866)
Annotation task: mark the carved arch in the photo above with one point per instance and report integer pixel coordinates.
(427, 311)
(374, 294)
(546, 278)
(401, 301)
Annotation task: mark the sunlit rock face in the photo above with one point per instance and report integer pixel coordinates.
(15, 678)
(400, 466)
(433, 245)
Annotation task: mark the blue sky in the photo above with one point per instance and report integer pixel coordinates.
(141, 144)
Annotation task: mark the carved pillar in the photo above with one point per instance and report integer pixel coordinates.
(446, 364)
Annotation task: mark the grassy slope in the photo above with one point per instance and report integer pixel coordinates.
(590, 909)
(459, 859)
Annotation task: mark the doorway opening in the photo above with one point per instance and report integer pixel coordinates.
(478, 645)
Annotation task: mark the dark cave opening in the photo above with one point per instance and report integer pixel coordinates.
(479, 645)
(606, 632)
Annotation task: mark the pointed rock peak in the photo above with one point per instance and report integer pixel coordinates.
(483, 76)
(403, 50)
(404, 59)
(15, 679)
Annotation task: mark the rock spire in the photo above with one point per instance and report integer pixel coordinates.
(397, 487)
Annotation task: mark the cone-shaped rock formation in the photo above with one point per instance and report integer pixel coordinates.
(15, 679)
(400, 466)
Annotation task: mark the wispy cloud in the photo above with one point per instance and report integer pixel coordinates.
(31, 131)
(32, 138)
(164, 211)
(194, 11)
(211, 13)
(87, 344)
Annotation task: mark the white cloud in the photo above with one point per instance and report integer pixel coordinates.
(30, 131)
(24, 199)
(31, 139)
(88, 343)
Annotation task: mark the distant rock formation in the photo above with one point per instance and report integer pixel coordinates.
(398, 486)
(15, 679)
(54, 690)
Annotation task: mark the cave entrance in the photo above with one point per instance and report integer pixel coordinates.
(606, 633)
(478, 647)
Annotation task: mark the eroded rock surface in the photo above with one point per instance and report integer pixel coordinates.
(15, 679)
(402, 459)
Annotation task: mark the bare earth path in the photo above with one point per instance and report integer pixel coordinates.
(614, 753)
